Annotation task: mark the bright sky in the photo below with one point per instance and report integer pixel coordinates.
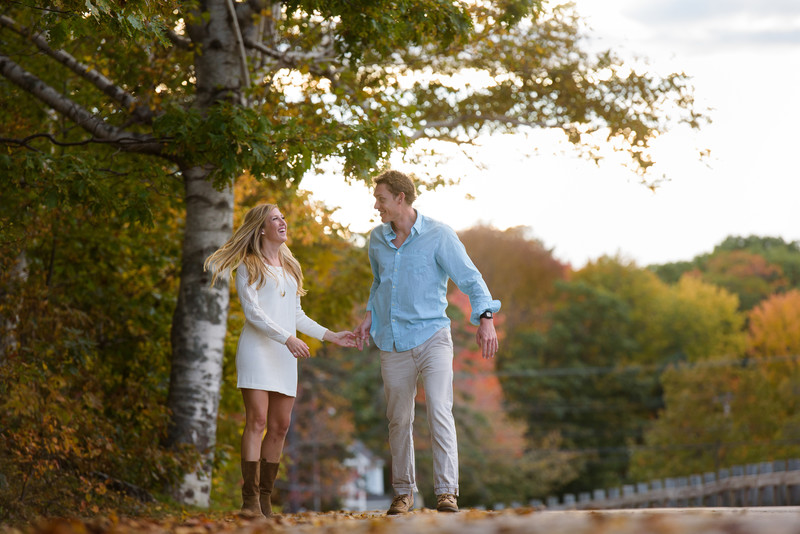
(744, 57)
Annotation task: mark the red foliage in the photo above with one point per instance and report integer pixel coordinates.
(476, 382)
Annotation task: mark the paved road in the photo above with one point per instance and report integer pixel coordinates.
(778, 520)
(773, 520)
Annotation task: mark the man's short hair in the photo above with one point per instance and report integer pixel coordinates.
(397, 182)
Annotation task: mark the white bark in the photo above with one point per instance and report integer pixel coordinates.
(198, 332)
(200, 321)
(218, 61)
(9, 341)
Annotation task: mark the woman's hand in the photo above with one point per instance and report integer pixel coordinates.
(297, 347)
(343, 338)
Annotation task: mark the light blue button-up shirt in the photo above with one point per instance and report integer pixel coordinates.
(408, 297)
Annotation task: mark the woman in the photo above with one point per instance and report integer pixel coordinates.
(269, 282)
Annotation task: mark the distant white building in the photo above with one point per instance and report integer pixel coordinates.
(364, 490)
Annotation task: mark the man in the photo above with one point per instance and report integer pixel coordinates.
(412, 257)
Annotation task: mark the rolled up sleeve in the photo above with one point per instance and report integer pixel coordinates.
(454, 260)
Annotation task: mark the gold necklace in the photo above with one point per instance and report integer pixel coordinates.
(283, 287)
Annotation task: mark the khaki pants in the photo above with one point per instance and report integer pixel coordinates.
(433, 360)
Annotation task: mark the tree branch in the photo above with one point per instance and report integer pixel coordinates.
(108, 87)
(267, 51)
(472, 117)
(25, 141)
(48, 9)
(293, 60)
(267, 31)
(100, 129)
(179, 40)
(239, 42)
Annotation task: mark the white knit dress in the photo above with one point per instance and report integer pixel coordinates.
(272, 314)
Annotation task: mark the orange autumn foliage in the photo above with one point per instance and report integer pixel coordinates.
(476, 382)
(775, 326)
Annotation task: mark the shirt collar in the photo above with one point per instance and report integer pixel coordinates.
(419, 225)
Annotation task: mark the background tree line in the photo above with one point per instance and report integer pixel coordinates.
(666, 370)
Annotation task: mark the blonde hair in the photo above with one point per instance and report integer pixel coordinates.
(245, 247)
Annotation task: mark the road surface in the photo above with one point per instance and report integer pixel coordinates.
(773, 520)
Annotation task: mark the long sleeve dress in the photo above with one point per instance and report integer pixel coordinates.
(272, 314)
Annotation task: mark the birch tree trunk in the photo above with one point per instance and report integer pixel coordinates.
(200, 320)
(19, 275)
(198, 333)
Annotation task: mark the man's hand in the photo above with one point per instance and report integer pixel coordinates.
(362, 331)
(487, 338)
(343, 338)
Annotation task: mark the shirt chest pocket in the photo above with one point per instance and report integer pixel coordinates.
(421, 265)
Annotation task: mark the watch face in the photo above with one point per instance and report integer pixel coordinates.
(486, 315)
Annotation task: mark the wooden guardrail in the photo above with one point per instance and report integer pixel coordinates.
(764, 484)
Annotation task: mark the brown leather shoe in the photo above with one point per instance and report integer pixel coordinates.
(446, 502)
(401, 504)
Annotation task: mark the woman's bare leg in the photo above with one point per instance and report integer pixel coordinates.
(279, 416)
(256, 407)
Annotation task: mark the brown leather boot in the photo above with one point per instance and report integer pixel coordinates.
(269, 471)
(251, 506)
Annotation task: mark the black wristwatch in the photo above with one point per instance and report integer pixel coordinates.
(487, 314)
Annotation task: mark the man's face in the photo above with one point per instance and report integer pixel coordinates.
(388, 205)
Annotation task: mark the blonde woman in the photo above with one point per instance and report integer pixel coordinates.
(269, 282)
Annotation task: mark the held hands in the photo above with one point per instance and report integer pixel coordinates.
(361, 332)
(299, 349)
(487, 338)
(343, 338)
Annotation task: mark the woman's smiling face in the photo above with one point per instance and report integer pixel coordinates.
(275, 228)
